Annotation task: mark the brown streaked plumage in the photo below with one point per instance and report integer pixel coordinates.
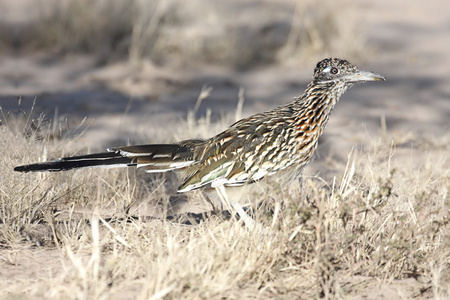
(250, 149)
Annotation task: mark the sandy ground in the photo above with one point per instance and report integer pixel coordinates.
(408, 43)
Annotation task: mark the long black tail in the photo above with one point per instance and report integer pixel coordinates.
(107, 159)
(154, 158)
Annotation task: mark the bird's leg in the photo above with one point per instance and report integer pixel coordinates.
(249, 222)
(210, 202)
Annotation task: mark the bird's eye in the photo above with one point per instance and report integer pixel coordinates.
(334, 71)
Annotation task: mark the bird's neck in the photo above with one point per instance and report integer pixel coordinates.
(313, 108)
(327, 94)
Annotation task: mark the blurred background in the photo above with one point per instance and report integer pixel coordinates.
(131, 71)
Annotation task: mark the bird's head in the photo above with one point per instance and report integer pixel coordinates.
(335, 70)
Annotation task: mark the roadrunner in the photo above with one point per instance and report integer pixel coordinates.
(249, 150)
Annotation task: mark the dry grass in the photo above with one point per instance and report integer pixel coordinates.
(382, 228)
(235, 34)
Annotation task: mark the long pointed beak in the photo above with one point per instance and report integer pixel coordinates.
(362, 76)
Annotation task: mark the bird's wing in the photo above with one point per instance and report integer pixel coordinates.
(240, 154)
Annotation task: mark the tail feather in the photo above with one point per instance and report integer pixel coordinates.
(107, 159)
(154, 158)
